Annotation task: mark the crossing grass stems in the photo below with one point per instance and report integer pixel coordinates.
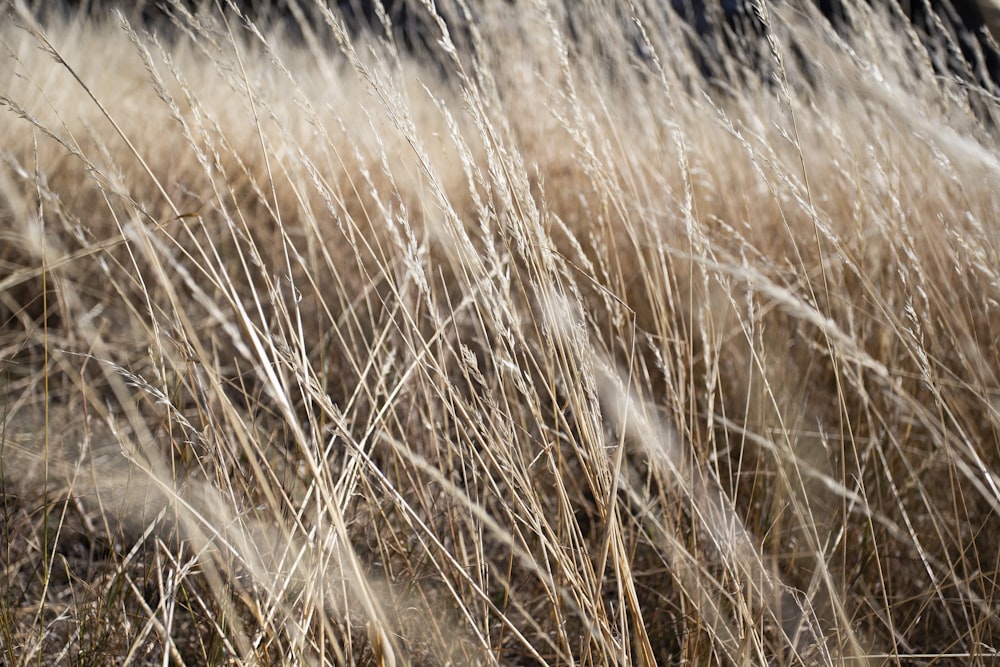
(312, 355)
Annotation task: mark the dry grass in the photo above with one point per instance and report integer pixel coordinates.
(310, 356)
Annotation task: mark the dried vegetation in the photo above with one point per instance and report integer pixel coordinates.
(311, 355)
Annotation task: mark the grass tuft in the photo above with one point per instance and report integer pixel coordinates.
(545, 348)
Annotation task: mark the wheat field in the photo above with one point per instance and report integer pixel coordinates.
(551, 349)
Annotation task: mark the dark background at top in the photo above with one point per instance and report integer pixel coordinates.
(714, 21)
